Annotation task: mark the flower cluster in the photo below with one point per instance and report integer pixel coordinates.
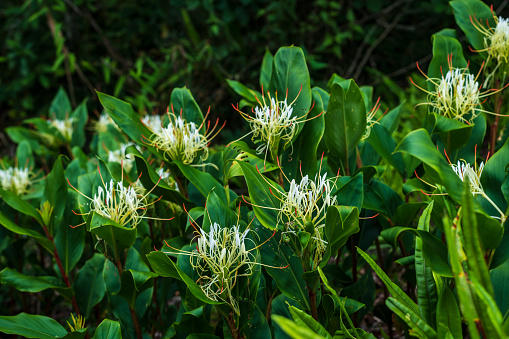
(496, 41)
(16, 180)
(272, 122)
(64, 127)
(101, 125)
(119, 156)
(306, 204)
(179, 140)
(119, 203)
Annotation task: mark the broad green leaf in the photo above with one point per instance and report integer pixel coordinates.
(418, 144)
(453, 133)
(433, 249)
(250, 95)
(165, 267)
(352, 192)
(31, 326)
(340, 223)
(380, 197)
(499, 277)
(11, 226)
(279, 306)
(80, 117)
(293, 330)
(345, 122)
(478, 270)
(443, 47)
(60, 107)
(290, 76)
(305, 320)
(239, 151)
(420, 328)
(19, 134)
(218, 212)
(492, 179)
(133, 283)
(24, 155)
(55, 192)
(427, 294)
(384, 144)
(466, 11)
(108, 329)
(89, 284)
(117, 236)
(26, 283)
(266, 69)
(193, 322)
(182, 100)
(448, 314)
(288, 271)
(394, 289)
(264, 194)
(20, 205)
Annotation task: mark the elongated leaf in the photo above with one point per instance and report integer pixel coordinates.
(293, 330)
(26, 283)
(266, 69)
(465, 11)
(89, 284)
(60, 107)
(133, 283)
(345, 121)
(421, 329)
(183, 100)
(418, 144)
(108, 329)
(218, 212)
(11, 226)
(248, 94)
(305, 320)
(290, 75)
(20, 205)
(448, 315)
(31, 326)
(165, 267)
(55, 192)
(384, 144)
(394, 289)
(427, 294)
(492, 179)
(443, 47)
(453, 133)
(265, 196)
(352, 192)
(433, 250)
(117, 236)
(340, 223)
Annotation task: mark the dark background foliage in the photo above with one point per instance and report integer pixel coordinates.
(140, 50)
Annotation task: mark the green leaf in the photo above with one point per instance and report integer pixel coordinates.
(290, 75)
(183, 101)
(418, 144)
(80, 117)
(393, 289)
(24, 154)
(345, 122)
(351, 193)
(248, 94)
(289, 272)
(60, 107)
(11, 226)
(218, 212)
(117, 236)
(492, 179)
(239, 151)
(108, 329)
(26, 283)
(133, 283)
(420, 328)
(384, 144)
(20, 205)
(499, 277)
(55, 191)
(89, 284)
(266, 69)
(31, 326)
(453, 133)
(448, 314)
(165, 267)
(303, 319)
(293, 330)
(467, 10)
(264, 194)
(433, 249)
(443, 47)
(340, 223)
(427, 294)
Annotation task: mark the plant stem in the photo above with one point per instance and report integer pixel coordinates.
(312, 301)
(61, 269)
(354, 260)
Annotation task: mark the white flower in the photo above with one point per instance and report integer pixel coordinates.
(101, 125)
(64, 127)
(272, 123)
(153, 122)
(119, 156)
(180, 140)
(305, 204)
(497, 43)
(463, 169)
(119, 203)
(15, 180)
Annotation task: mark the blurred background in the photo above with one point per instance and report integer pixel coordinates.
(140, 50)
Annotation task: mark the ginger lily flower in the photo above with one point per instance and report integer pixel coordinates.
(181, 140)
(220, 258)
(305, 206)
(463, 170)
(101, 125)
(64, 127)
(16, 180)
(119, 156)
